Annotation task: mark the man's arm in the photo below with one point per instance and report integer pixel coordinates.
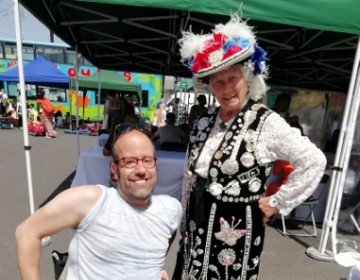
(66, 210)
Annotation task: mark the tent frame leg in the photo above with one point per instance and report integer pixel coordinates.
(315, 254)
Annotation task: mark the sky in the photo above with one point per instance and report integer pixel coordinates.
(31, 28)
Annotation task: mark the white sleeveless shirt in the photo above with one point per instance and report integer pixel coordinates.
(118, 241)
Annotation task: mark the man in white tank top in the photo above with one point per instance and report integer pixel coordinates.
(121, 233)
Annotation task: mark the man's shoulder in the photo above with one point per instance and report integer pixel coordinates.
(169, 208)
(164, 197)
(171, 128)
(194, 107)
(166, 201)
(88, 194)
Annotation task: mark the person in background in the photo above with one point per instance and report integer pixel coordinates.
(18, 107)
(10, 110)
(197, 110)
(331, 145)
(294, 122)
(130, 106)
(111, 109)
(352, 180)
(3, 98)
(170, 132)
(47, 113)
(282, 105)
(32, 114)
(160, 115)
(67, 120)
(131, 118)
(58, 119)
(230, 156)
(121, 233)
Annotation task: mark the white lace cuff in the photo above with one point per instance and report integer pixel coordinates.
(273, 202)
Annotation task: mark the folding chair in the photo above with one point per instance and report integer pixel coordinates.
(310, 203)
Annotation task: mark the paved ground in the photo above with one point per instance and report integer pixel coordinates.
(53, 162)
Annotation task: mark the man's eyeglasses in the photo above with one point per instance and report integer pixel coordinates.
(132, 162)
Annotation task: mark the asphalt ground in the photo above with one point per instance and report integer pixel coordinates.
(53, 165)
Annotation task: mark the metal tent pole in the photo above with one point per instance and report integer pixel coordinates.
(99, 93)
(27, 146)
(77, 99)
(347, 147)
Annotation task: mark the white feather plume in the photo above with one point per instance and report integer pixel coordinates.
(191, 44)
(236, 28)
(257, 87)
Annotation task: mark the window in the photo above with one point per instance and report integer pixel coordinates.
(12, 89)
(145, 98)
(55, 94)
(11, 51)
(71, 56)
(2, 55)
(54, 54)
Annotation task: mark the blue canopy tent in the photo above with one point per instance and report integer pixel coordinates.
(40, 71)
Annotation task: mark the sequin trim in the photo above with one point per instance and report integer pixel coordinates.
(247, 245)
(240, 199)
(208, 241)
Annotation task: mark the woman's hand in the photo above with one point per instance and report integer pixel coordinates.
(267, 210)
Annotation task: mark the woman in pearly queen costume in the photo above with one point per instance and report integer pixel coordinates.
(230, 155)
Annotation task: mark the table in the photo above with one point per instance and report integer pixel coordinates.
(94, 168)
(102, 138)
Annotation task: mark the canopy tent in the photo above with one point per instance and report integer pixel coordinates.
(310, 44)
(40, 71)
(108, 80)
(120, 35)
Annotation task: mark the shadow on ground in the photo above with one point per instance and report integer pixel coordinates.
(305, 241)
(62, 187)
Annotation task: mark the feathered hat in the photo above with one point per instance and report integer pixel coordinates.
(228, 44)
